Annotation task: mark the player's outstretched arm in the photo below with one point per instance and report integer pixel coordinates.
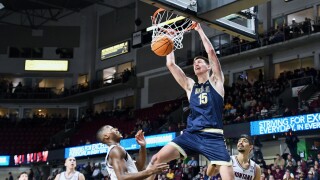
(258, 172)
(184, 81)
(81, 177)
(118, 163)
(141, 160)
(214, 61)
(57, 177)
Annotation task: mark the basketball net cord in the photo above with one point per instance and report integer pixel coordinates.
(161, 22)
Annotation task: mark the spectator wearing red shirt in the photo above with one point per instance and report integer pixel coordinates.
(278, 174)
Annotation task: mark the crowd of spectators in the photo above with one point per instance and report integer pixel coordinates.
(274, 35)
(286, 167)
(93, 171)
(244, 101)
(283, 167)
(34, 173)
(21, 91)
(122, 77)
(247, 101)
(154, 122)
(179, 169)
(287, 32)
(187, 169)
(299, 77)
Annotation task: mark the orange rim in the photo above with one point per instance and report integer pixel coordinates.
(155, 14)
(194, 24)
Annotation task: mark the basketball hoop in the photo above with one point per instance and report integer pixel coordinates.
(165, 23)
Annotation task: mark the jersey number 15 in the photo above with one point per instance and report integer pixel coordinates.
(203, 98)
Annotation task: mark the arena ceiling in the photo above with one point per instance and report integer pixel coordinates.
(73, 5)
(49, 10)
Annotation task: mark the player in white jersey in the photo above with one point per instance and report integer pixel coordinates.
(243, 166)
(119, 163)
(23, 176)
(70, 173)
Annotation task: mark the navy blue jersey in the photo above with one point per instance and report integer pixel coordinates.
(206, 107)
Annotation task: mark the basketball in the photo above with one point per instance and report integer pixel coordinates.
(162, 46)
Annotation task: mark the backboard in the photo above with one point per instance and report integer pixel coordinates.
(235, 17)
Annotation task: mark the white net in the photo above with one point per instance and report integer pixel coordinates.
(165, 23)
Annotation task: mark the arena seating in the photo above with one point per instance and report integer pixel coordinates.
(87, 130)
(18, 139)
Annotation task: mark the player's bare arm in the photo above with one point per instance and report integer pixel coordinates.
(214, 61)
(258, 173)
(57, 177)
(217, 76)
(117, 161)
(81, 177)
(185, 82)
(140, 163)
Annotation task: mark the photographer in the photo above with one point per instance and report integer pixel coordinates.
(292, 141)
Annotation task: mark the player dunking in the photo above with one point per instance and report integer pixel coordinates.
(243, 167)
(204, 132)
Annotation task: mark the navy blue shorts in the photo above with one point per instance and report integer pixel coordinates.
(210, 145)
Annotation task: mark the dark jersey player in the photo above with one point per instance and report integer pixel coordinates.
(204, 134)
